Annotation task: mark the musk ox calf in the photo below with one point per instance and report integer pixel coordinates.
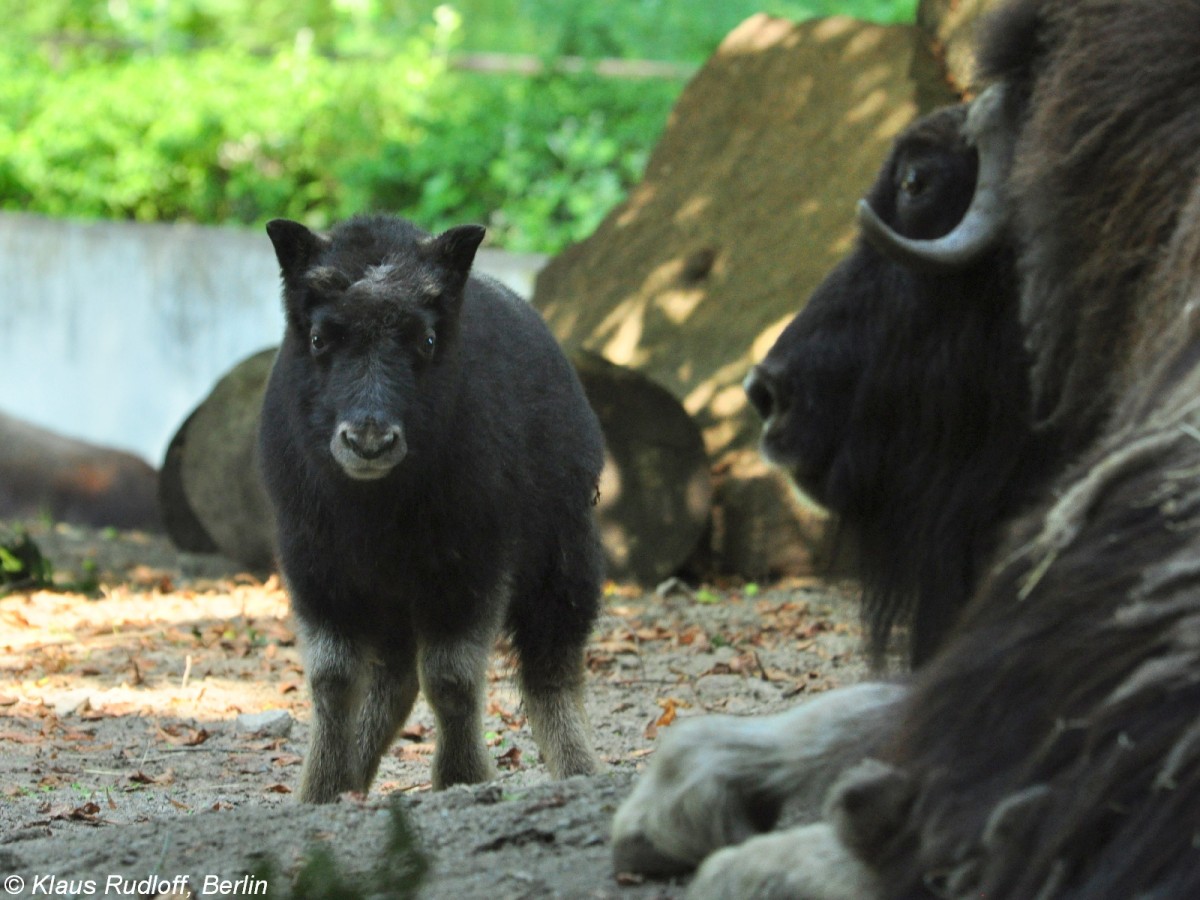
(899, 397)
(1051, 748)
(432, 464)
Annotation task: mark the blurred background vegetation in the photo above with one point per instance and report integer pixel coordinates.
(224, 111)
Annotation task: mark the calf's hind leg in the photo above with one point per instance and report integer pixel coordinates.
(550, 624)
(552, 688)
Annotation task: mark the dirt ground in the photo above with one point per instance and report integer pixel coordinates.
(133, 753)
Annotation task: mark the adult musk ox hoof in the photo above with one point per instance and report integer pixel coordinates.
(807, 863)
(633, 852)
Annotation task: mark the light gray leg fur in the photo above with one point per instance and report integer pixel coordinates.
(337, 679)
(454, 680)
(388, 702)
(557, 718)
(824, 861)
(719, 780)
(804, 863)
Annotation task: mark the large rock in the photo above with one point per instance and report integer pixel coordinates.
(952, 24)
(762, 527)
(655, 491)
(746, 204)
(44, 473)
(180, 521)
(212, 496)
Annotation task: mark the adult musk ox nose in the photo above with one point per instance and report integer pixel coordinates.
(367, 449)
(762, 391)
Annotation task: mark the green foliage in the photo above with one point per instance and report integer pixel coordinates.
(541, 161)
(22, 565)
(238, 111)
(211, 135)
(680, 30)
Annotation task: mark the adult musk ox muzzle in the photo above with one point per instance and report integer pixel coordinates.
(983, 225)
(775, 399)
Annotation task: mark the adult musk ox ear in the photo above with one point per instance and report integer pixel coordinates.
(455, 248)
(296, 247)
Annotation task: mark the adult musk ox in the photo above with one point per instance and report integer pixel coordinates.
(432, 463)
(1051, 748)
(899, 397)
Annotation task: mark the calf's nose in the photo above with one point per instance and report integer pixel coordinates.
(762, 391)
(369, 439)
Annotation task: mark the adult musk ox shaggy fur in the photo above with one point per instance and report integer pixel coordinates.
(1051, 748)
(432, 463)
(899, 397)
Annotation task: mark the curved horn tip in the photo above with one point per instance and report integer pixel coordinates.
(877, 232)
(986, 112)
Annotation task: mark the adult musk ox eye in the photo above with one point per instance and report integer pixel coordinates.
(914, 182)
(428, 345)
(317, 342)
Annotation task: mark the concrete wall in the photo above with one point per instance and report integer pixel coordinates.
(113, 331)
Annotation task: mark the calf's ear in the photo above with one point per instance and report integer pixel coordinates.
(296, 247)
(455, 248)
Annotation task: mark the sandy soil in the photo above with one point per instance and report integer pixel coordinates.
(155, 729)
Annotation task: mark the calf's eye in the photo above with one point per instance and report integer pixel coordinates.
(428, 345)
(317, 342)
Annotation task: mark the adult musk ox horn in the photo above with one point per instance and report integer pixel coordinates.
(983, 223)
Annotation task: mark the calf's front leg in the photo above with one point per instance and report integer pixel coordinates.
(453, 675)
(389, 699)
(337, 678)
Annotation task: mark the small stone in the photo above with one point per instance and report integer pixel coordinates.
(672, 587)
(72, 703)
(271, 723)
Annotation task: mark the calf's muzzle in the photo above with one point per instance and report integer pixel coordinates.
(367, 448)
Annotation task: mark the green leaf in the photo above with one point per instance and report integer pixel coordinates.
(22, 565)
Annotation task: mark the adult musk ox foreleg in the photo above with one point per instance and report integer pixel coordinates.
(719, 780)
(769, 867)
(864, 810)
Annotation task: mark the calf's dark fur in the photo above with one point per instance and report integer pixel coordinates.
(432, 462)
